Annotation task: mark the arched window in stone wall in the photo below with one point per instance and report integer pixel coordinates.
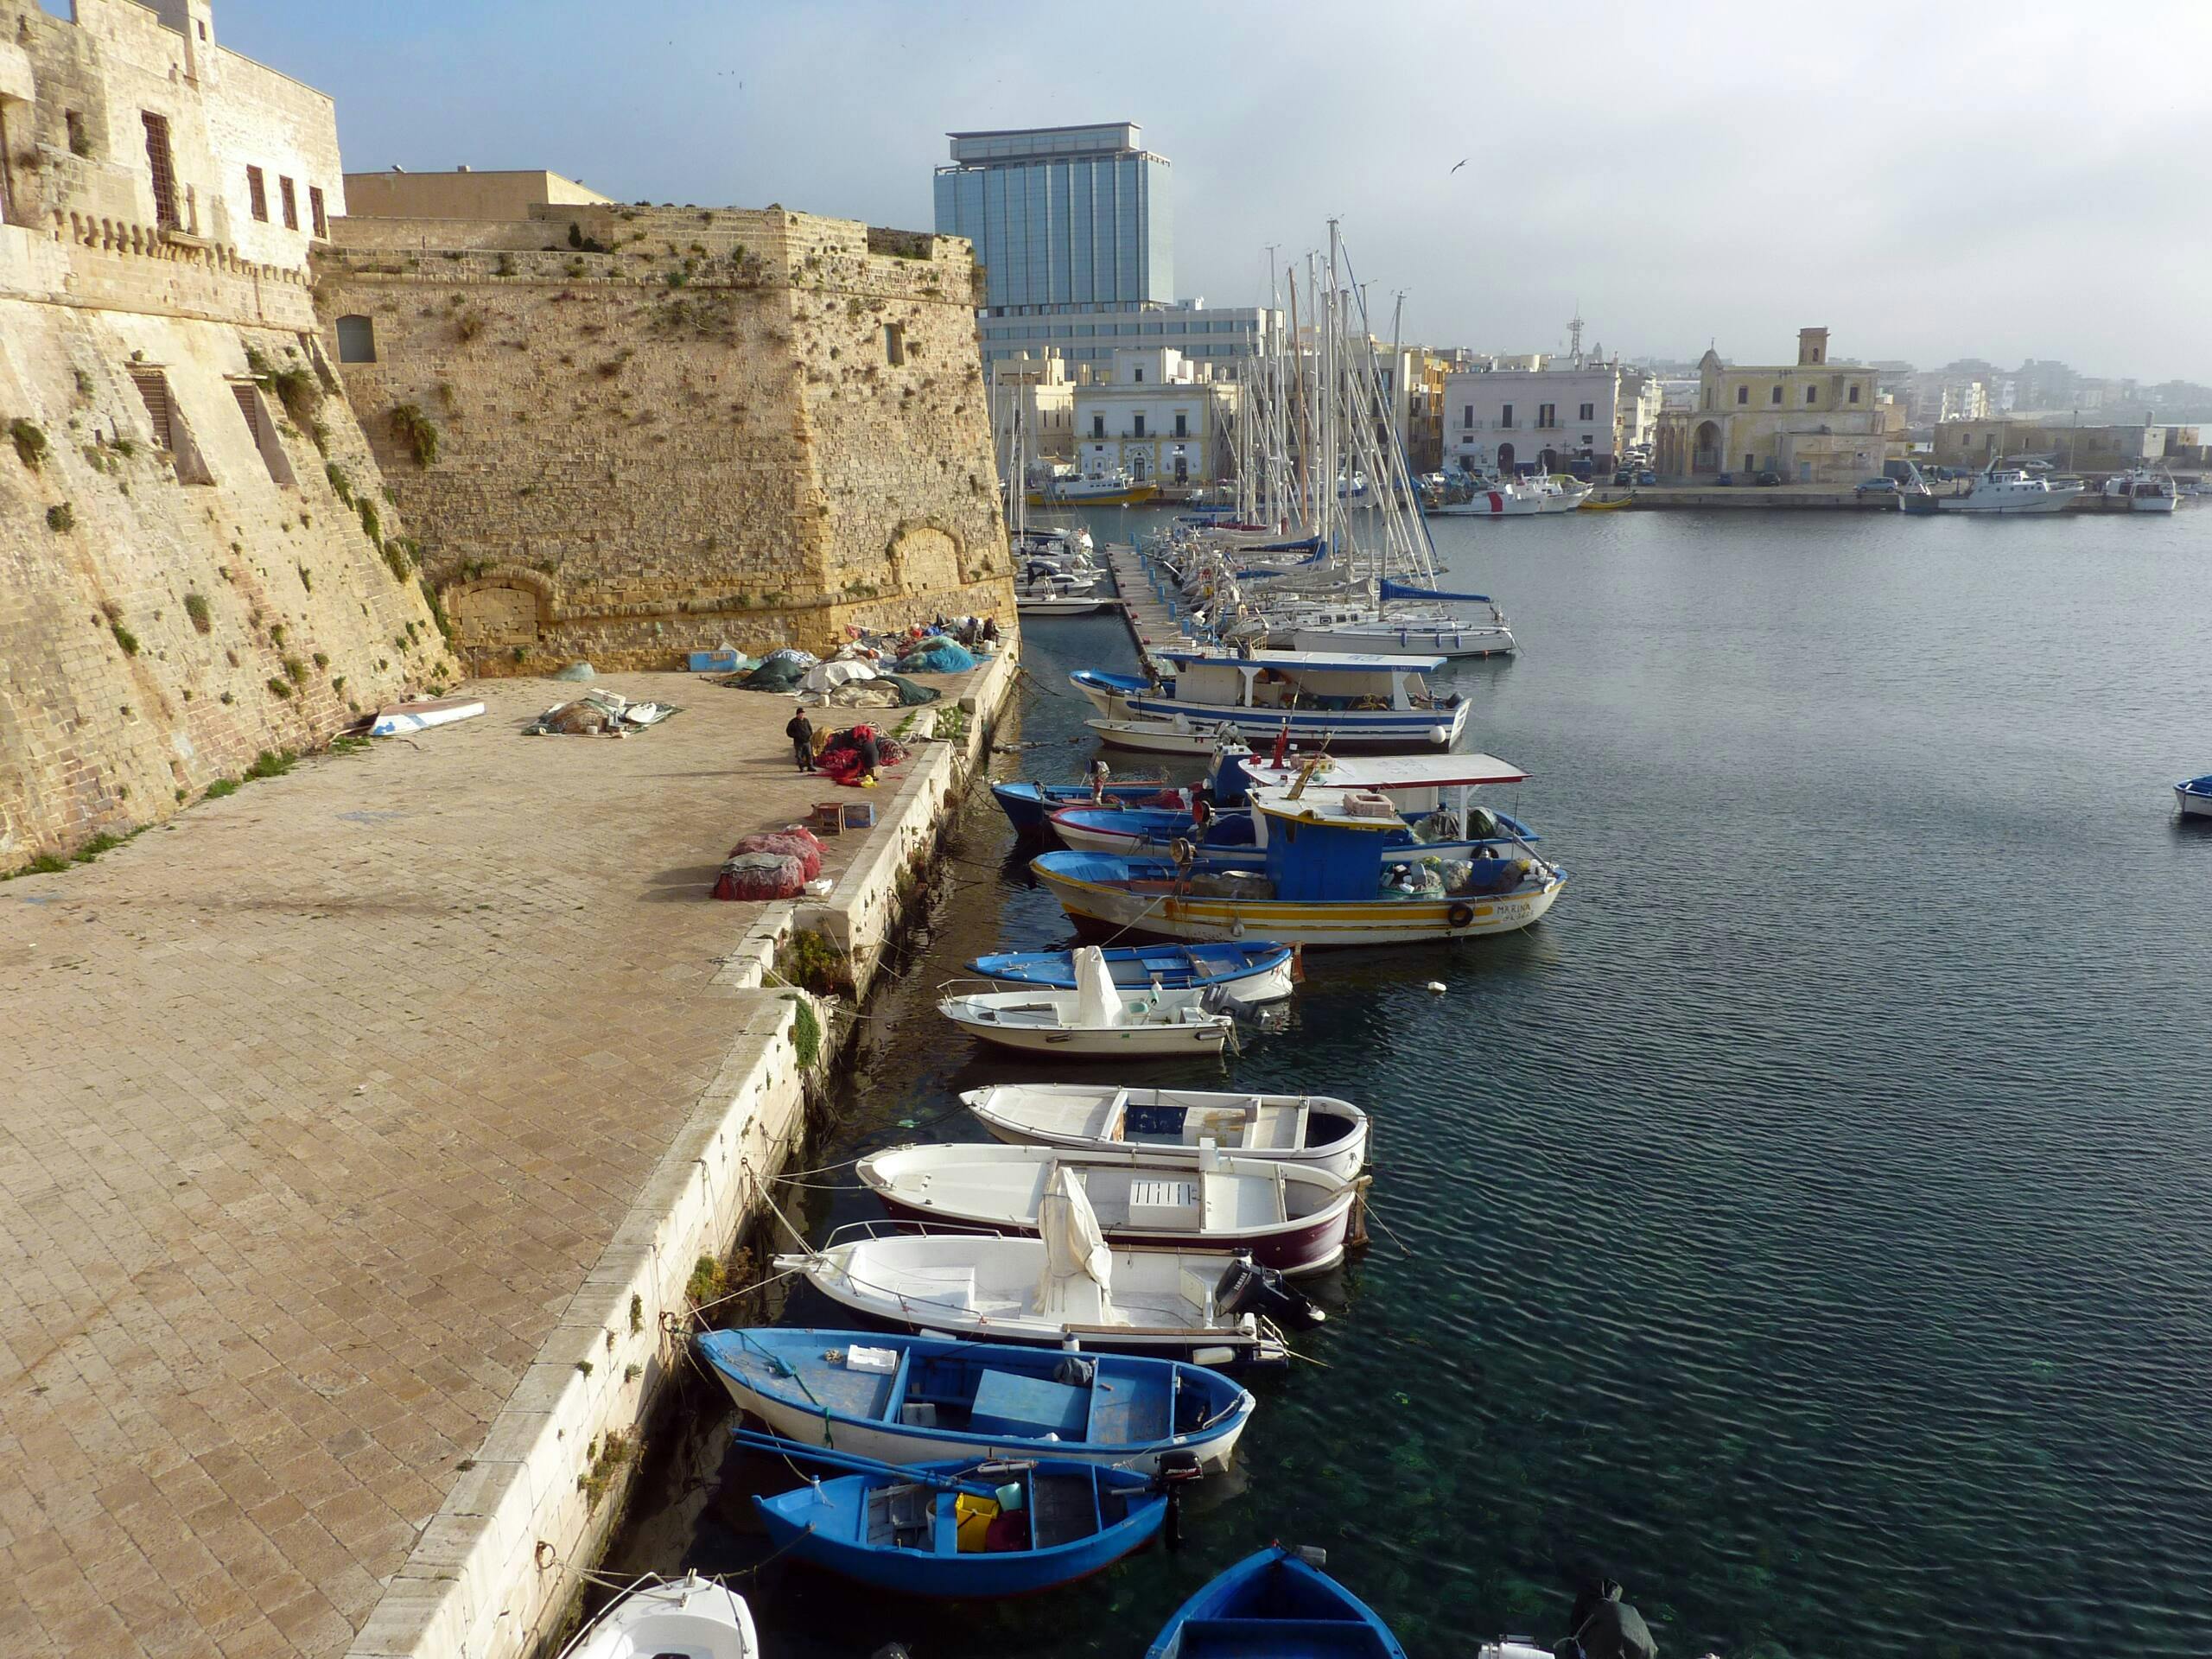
(357, 340)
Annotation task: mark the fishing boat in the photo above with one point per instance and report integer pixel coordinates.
(1033, 602)
(1294, 1220)
(2144, 489)
(1431, 793)
(692, 1617)
(1352, 700)
(1276, 1604)
(1112, 489)
(1591, 504)
(1027, 806)
(908, 1399)
(1300, 1131)
(1998, 488)
(1064, 1286)
(1096, 1019)
(965, 1531)
(1248, 974)
(1160, 736)
(1333, 873)
(2194, 795)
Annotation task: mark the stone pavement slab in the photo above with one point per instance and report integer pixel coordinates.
(317, 1103)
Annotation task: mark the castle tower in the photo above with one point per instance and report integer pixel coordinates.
(1812, 347)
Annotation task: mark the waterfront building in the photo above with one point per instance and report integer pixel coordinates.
(1042, 392)
(1089, 336)
(1062, 217)
(1156, 416)
(1813, 422)
(1546, 413)
(2065, 442)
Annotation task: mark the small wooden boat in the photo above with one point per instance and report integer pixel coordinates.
(1246, 973)
(1308, 1131)
(944, 1399)
(1028, 805)
(1160, 736)
(1096, 1019)
(1291, 1220)
(1593, 504)
(2195, 797)
(691, 1618)
(402, 717)
(1275, 1603)
(967, 1531)
(1066, 1284)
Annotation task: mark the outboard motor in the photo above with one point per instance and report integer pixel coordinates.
(1177, 1470)
(1247, 1288)
(1603, 1626)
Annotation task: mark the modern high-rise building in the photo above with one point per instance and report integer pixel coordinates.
(1063, 219)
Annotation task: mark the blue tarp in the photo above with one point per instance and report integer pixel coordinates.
(1401, 590)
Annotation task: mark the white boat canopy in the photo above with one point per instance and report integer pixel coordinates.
(1310, 662)
(1074, 1243)
(1388, 771)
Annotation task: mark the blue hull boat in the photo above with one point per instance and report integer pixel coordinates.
(1249, 974)
(963, 1531)
(1274, 1606)
(948, 1399)
(1029, 806)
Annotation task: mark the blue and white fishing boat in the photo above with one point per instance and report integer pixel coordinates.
(1275, 1604)
(970, 1531)
(1249, 974)
(1349, 701)
(1338, 869)
(1431, 792)
(1028, 805)
(2195, 797)
(908, 1399)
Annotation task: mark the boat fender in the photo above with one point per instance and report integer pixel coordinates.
(1459, 915)
(1439, 736)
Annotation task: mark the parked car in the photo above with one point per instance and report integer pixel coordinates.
(1877, 486)
(1726, 480)
(1647, 476)
(1767, 480)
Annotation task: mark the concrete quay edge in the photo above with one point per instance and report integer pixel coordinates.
(494, 1573)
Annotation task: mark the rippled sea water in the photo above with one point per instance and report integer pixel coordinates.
(1807, 1223)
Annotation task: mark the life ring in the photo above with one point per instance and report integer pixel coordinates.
(1459, 915)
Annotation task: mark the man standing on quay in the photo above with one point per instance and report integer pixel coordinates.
(801, 733)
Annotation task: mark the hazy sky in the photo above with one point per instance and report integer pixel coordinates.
(1930, 182)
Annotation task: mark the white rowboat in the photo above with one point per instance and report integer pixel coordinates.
(1096, 1019)
(1307, 1131)
(692, 1618)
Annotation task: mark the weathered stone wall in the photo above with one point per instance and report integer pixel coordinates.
(145, 623)
(688, 431)
(167, 613)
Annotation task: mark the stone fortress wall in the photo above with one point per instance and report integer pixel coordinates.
(187, 574)
(667, 429)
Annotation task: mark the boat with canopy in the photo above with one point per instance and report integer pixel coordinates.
(1347, 700)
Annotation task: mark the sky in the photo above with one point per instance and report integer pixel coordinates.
(1929, 182)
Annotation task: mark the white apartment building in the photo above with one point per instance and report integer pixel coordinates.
(1043, 392)
(1547, 414)
(1155, 415)
(1088, 335)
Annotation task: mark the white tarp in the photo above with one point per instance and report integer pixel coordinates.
(1096, 1002)
(1073, 1243)
(827, 676)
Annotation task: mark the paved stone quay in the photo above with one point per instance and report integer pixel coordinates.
(318, 1104)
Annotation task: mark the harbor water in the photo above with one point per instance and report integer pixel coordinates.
(1808, 1225)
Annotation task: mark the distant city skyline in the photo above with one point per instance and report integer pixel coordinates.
(1933, 190)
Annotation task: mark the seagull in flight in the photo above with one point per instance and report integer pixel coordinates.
(1461, 162)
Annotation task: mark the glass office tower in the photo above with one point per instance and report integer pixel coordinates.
(1063, 218)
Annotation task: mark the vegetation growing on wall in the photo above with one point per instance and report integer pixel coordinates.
(30, 442)
(416, 433)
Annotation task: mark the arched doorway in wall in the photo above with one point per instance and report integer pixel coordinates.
(1504, 457)
(1140, 465)
(1705, 448)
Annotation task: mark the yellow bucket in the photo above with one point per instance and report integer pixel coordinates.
(974, 1516)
